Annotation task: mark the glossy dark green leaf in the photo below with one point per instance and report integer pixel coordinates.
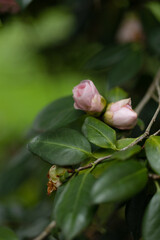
(19, 168)
(99, 133)
(152, 147)
(73, 210)
(23, 3)
(120, 182)
(57, 114)
(101, 168)
(134, 213)
(62, 147)
(126, 69)
(7, 234)
(116, 94)
(108, 57)
(151, 220)
(153, 39)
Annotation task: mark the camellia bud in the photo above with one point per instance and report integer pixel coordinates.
(87, 98)
(130, 30)
(57, 175)
(121, 115)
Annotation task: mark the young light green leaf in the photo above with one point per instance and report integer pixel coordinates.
(73, 210)
(120, 74)
(152, 147)
(57, 114)
(99, 133)
(116, 94)
(108, 57)
(120, 182)
(62, 147)
(151, 220)
(7, 234)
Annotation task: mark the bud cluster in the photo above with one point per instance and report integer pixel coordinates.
(119, 114)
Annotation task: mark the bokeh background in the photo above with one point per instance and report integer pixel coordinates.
(46, 48)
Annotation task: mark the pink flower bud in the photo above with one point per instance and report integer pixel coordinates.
(130, 30)
(9, 6)
(87, 98)
(121, 115)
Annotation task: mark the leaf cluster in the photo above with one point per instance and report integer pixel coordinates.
(69, 138)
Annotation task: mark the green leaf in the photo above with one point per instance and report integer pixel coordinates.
(101, 168)
(116, 94)
(23, 3)
(99, 133)
(62, 147)
(102, 152)
(154, 7)
(57, 114)
(134, 213)
(73, 210)
(140, 124)
(108, 57)
(126, 154)
(120, 182)
(7, 234)
(19, 168)
(126, 69)
(154, 39)
(152, 147)
(123, 155)
(124, 142)
(151, 220)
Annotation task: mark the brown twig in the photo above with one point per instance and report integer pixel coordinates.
(46, 231)
(156, 133)
(155, 98)
(148, 94)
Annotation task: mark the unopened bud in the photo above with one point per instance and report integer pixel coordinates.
(130, 30)
(121, 115)
(87, 98)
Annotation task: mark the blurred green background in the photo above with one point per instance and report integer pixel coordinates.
(47, 48)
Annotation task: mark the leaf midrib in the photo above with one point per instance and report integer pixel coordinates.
(66, 146)
(78, 195)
